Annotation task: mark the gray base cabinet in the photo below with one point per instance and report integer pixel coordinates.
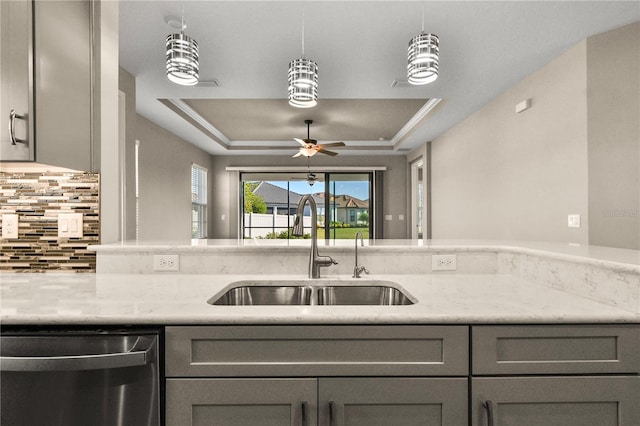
(393, 401)
(241, 402)
(317, 375)
(556, 401)
(376, 401)
(557, 375)
(399, 375)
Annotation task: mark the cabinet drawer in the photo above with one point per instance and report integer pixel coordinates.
(556, 349)
(310, 351)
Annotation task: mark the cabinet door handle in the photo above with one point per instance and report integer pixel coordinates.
(12, 127)
(332, 412)
(303, 408)
(489, 406)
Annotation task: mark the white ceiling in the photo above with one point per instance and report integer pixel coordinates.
(360, 48)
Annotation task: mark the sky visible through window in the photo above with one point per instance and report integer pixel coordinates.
(358, 189)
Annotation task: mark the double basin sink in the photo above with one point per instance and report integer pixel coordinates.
(327, 292)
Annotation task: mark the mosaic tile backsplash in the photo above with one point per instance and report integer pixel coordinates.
(37, 199)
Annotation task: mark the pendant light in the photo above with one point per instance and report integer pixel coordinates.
(182, 55)
(303, 79)
(422, 57)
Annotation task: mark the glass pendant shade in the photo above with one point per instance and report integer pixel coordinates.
(182, 59)
(303, 83)
(422, 59)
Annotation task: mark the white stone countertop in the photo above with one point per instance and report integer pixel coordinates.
(164, 299)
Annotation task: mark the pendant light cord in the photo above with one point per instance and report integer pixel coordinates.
(422, 17)
(303, 31)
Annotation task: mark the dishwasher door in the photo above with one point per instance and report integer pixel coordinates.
(79, 378)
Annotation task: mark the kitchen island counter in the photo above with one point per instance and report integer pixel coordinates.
(164, 299)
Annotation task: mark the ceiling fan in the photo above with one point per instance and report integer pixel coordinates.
(311, 178)
(310, 147)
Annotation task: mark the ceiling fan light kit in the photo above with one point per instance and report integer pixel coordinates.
(182, 57)
(310, 147)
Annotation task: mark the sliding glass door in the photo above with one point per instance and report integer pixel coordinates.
(269, 202)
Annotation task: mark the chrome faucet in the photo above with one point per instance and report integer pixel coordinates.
(315, 260)
(357, 270)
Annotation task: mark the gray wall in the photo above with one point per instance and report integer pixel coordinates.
(225, 196)
(164, 172)
(613, 79)
(502, 175)
(165, 182)
(127, 84)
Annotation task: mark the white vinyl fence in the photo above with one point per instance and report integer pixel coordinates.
(258, 225)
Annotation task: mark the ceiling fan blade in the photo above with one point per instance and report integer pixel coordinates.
(332, 144)
(298, 154)
(300, 141)
(324, 151)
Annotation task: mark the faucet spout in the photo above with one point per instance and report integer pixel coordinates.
(315, 260)
(357, 270)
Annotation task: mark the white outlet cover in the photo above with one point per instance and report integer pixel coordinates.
(444, 262)
(10, 226)
(166, 262)
(573, 221)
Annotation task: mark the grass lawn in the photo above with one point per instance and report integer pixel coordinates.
(344, 233)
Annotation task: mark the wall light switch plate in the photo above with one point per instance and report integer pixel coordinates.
(388, 217)
(10, 226)
(166, 262)
(444, 262)
(574, 221)
(70, 225)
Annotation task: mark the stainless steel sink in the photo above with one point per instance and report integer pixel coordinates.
(324, 292)
(362, 295)
(264, 295)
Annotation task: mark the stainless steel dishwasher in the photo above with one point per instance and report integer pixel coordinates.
(79, 378)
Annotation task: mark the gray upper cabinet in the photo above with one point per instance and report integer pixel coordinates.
(48, 79)
(16, 81)
(63, 84)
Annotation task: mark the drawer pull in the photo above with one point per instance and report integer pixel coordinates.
(303, 407)
(489, 406)
(332, 412)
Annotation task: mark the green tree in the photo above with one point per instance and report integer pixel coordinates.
(364, 217)
(253, 203)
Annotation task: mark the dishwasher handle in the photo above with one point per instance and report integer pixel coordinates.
(140, 354)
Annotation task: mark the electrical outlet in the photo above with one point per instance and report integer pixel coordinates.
(10, 226)
(166, 262)
(444, 262)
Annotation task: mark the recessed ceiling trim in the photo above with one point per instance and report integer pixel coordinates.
(189, 114)
(291, 144)
(414, 121)
(304, 168)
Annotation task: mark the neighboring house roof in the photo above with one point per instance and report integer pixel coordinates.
(276, 196)
(347, 201)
